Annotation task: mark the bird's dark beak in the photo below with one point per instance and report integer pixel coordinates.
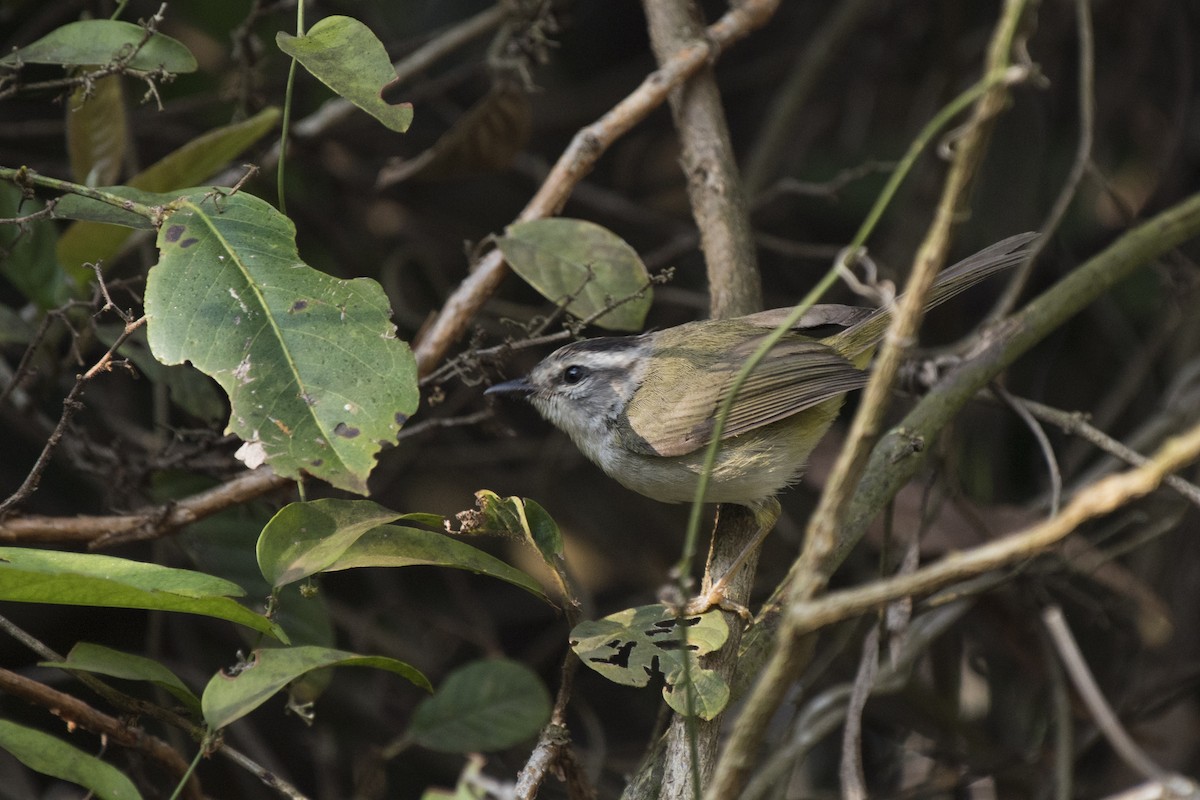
(519, 386)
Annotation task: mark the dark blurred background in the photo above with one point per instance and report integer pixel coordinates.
(978, 707)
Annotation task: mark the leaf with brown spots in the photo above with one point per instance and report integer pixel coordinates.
(311, 364)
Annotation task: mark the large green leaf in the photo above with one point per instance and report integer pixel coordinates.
(399, 546)
(230, 697)
(488, 705)
(347, 57)
(99, 41)
(50, 755)
(88, 657)
(330, 535)
(580, 263)
(316, 377)
(632, 645)
(303, 539)
(192, 163)
(87, 579)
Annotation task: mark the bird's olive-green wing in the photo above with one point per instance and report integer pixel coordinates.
(674, 411)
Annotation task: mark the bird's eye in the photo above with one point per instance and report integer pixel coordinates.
(574, 374)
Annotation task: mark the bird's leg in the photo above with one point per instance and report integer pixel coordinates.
(713, 592)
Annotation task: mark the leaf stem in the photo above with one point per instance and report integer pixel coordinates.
(26, 179)
(287, 114)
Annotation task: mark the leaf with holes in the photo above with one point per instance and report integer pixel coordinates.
(514, 516)
(631, 646)
(317, 380)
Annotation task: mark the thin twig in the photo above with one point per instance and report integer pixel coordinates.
(1098, 499)
(853, 778)
(1022, 410)
(1083, 156)
(70, 405)
(822, 536)
(1076, 424)
(1102, 713)
(577, 161)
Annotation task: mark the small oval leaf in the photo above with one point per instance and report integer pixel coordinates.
(101, 660)
(586, 266)
(488, 705)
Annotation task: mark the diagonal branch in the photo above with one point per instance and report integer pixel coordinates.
(577, 161)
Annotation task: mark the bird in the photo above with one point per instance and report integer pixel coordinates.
(643, 407)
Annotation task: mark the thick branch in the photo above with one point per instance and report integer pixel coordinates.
(714, 188)
(719, 209)
(145, 524)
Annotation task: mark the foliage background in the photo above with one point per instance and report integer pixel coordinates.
(980, 704)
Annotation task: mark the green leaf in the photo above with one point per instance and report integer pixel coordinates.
(712, 693)
(231, 697)
(158, 184)
(101, 660)
(317, 380)
(397, 546)
(303, 539)
(99, 41)
(630, 646)
(74, 206)
(487, 705)
(27, 257)
(580, 263)
(346, 56)
(50, 755)
(87, 579)
(224, 544)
